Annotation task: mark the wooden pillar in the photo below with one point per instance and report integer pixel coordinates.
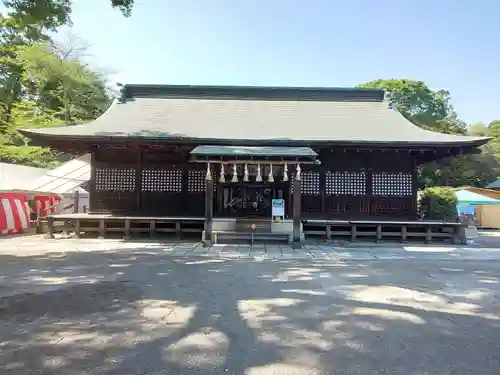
(414, 190)
(209, 206)
(152, 228)
(102, 229)
(296, 244)
(138, 182)
(76, 229)
(379, 232)
(428, 234)
(369, 193)
(404, 235)
(76, 201)
(92, 183)
(354, 231)
(50, 227)
(66, 227)
(322, 188)
(127, 230)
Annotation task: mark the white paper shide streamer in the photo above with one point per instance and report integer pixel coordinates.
(259, 177)
(245, 174)
(270, 178)
(208, 177)
(222, 177)
(235, 174)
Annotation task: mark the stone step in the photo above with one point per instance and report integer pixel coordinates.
(253, 225)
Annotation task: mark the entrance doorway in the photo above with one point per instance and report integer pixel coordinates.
(249, 199)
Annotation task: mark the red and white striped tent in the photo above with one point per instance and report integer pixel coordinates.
(14, 213)
(26, 190)
(44, 205)
(15, 209)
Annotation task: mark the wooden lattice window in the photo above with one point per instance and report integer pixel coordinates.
(196, 181)
(345, 183)
(115, 179)
(310, 183)
(392, 184)
(162, 180)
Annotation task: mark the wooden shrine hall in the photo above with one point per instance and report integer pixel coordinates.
(250, 161)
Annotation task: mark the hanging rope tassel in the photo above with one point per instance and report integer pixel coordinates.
(208, 177)
(235, 174)
(270, 177)
(245, 175)
(259, 177)
(222, 177)
(285, 173)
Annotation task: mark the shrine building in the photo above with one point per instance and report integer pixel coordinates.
(226, 154)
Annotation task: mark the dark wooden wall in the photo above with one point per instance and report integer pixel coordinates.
(348, 184)
(147, 183)
(360, 184)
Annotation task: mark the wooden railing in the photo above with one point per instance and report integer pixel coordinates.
(379, 230)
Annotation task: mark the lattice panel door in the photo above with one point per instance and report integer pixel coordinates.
(345, 183)
(392, 184)
(162, 180)
(115, 179)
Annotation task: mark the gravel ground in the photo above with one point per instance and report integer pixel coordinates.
(135, 311)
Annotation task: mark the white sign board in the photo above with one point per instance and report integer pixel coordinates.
(278, 207)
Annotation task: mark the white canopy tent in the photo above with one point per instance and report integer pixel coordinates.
(18, 177)
(65, 180)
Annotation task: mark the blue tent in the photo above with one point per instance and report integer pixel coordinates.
(494, 185)
(468, 197)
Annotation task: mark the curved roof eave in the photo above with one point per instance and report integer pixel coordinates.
(46, 138)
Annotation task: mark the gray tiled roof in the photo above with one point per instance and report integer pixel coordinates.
(256, 120)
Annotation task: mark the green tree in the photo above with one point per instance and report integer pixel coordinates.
(13, 34)
(478, 130)
(56, 89)
(467, 170)
(51, 14)
(432, 110)
(59, 82)
(31, 156)
(424, 107)
(41, 83)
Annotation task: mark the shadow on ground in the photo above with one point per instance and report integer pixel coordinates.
(142, 312)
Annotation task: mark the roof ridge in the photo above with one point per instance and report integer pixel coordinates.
(129, 91)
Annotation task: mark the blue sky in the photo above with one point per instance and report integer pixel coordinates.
(451, 44)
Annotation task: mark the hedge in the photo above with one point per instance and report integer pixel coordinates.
(438, 203)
